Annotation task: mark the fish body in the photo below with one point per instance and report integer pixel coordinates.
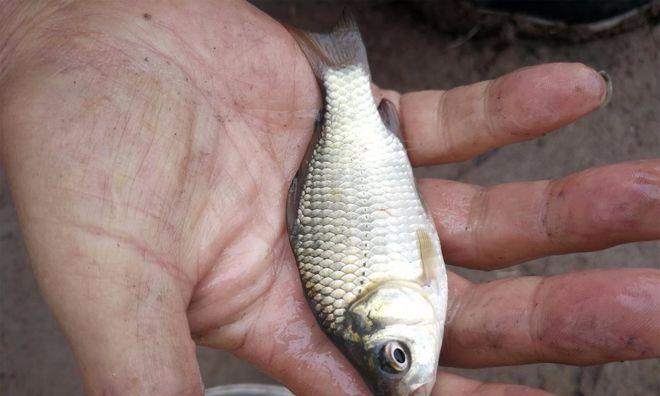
(366, 247)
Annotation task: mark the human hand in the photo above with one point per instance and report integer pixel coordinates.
(149, 152)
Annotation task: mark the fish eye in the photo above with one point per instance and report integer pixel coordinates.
(394, 357)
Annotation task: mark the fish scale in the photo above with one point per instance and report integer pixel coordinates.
(367, 251)
(360, 210)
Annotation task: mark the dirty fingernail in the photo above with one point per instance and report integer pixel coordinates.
(607, 95)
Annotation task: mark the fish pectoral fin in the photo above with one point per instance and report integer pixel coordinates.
(429, 257)
(390, 116)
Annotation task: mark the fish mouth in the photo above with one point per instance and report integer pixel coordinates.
(423, 390)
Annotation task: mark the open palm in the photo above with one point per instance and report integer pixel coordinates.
(149, 151)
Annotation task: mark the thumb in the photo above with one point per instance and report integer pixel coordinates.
(124, 318)
(121, 303)
(95, 222)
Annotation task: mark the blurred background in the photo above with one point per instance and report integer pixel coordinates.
(433, 45)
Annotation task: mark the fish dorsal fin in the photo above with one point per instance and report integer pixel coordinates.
(429, 257)
(342, 47)
(390, 116)
(296, 189)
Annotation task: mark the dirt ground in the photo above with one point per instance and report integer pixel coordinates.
(407, 54)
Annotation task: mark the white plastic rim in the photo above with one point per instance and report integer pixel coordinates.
(248, 390)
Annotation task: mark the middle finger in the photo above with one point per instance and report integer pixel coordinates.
(494, 227)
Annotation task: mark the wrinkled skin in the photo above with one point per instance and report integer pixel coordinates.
(149, 151)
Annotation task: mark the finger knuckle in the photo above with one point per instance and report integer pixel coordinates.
(631, 201)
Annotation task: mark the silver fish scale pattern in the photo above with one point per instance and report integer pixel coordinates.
(359, 211)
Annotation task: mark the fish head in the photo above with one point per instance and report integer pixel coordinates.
(395, 338)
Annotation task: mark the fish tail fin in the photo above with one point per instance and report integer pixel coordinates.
(339, 48)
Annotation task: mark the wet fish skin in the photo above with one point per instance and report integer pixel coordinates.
(366, 247)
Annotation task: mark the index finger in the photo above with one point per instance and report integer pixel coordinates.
(458, 124)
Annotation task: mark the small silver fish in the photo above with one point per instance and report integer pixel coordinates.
(366, 247)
